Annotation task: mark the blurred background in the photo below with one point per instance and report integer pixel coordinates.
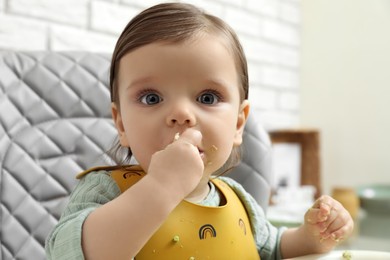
(319, 75)
(313, 63)
(345, 87)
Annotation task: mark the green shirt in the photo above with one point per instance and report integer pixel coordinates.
(98, 188)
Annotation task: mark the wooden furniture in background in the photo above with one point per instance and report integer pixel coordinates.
(309, 140)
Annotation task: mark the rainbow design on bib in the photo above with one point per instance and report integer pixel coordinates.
(131, 174)
(207, 231)
(241, 223)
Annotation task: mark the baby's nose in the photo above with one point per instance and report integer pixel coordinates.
(181, 115)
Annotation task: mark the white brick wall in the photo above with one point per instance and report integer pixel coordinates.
(110, 17)
(269, 31)
(73, 38)
(71, 12)
(17, 32)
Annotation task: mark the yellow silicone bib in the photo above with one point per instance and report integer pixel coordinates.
(197, 232)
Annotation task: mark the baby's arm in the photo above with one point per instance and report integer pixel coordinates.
(326, 223)
(120, 228)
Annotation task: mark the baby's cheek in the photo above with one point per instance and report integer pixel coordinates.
(143, 157)
(227, 154)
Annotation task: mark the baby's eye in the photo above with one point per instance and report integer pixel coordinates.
(209, 98)
(150, 99)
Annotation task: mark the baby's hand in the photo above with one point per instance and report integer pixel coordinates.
(179, 165)
(328, 221)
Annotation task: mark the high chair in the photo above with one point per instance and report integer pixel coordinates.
(55, 121)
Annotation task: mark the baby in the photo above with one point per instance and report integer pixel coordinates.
(179, 91)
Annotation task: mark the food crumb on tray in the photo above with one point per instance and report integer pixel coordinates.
(347, 255)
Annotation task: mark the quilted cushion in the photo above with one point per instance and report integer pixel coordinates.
(254, 172)
(55, 121)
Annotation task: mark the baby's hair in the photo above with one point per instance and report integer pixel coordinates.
(172, 23)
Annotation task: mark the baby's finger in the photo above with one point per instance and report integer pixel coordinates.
(311, 215)
(191, 136)
(337, 220)
(318, 213)
(331, 220)
(341, 233)
(323, 201)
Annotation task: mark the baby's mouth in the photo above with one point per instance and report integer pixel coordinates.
(201, 152)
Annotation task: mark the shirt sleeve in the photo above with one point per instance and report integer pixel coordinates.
(93, 190)
(267, 237)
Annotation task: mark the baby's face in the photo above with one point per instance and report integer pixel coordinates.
(167, 88)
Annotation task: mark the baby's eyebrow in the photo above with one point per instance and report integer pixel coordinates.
(218, 82)
(141, 81)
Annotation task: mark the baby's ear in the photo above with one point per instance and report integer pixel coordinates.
(241, 120)
(116, 116)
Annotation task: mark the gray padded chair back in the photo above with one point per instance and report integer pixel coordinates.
(254, 171)
(55, 122)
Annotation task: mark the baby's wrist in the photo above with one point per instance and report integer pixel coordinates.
(165, 190)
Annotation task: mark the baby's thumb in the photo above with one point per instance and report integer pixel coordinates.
(191, 136)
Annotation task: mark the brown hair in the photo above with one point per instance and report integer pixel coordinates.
(172, 23)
